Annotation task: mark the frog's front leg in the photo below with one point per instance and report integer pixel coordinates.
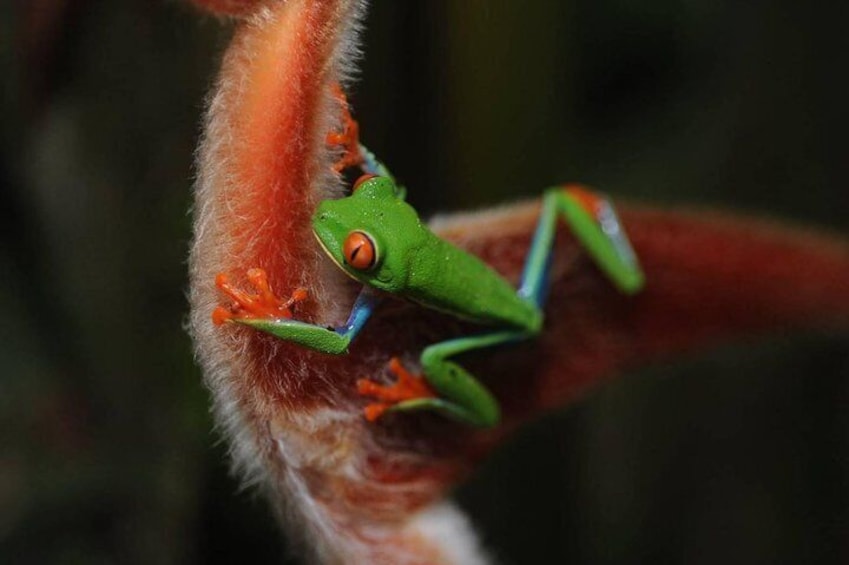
(264, 311)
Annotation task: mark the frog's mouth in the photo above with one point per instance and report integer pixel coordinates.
(326, 249)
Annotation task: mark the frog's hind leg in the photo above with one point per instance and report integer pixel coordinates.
(593, 221)
(445, 387)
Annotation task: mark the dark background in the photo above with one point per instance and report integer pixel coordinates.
(107, 453)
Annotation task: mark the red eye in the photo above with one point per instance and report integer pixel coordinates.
(359, 251)
(361, 180)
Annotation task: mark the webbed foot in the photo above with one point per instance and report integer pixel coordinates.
(348, 138)
(260, 305)
(408, 387)
(591, 202)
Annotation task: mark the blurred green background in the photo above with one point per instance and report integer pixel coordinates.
(108, 453)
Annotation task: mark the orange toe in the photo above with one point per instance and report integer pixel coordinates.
(348, 138)
(260, 304)
(374, 411)
(590, 201)
(407, 387)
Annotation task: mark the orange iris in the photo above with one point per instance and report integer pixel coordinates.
(359, 251)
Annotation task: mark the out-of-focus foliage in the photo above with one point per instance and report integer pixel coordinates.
(107, 450)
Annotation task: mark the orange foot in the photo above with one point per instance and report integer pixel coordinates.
(588, 200)
(348, 138)
(407, 387)
(263, 304)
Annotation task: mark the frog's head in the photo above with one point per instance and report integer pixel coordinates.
(370, 234)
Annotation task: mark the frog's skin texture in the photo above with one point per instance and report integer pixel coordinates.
(375, 237)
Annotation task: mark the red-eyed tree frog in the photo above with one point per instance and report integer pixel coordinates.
(374, 236)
